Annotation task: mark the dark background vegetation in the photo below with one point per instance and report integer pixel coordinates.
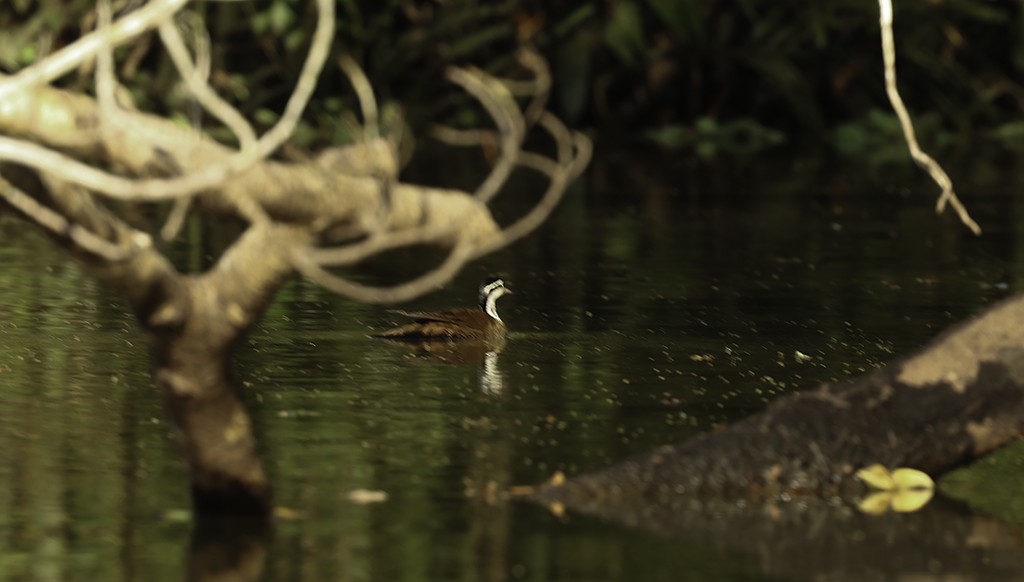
(710, 74)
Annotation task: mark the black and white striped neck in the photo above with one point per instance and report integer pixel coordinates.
(491, 289)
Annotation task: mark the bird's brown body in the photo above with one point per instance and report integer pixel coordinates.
(453, 324)
(456, 324)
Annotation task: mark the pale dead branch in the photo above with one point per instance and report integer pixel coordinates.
(196, 77)
(574, 151)
(496, 96)
(537, 88)
(498, 101)
(364, 92)
(434, 279)
(77, 153)
(106, 83)
(378, 242)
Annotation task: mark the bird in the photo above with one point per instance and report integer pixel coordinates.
(457, 324)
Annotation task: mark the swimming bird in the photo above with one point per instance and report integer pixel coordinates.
(457, 324)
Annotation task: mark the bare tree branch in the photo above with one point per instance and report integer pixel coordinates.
(538, 88)
(106, 82)
(498, 102)
(575, 152)
(496, 97)
(364, 92)
(195, 78)
(377, 243)
(430, 281)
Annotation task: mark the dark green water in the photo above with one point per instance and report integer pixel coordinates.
(662, 299)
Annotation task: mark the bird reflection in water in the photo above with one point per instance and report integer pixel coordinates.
(482, 353)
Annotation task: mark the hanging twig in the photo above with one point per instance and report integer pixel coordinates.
(923, 159)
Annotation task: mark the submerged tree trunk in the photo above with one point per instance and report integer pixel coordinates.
(196, 325)
(193, 375)
(225, 471)
(957, 399)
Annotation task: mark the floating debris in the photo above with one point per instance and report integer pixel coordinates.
(366, 496)
(902, 490)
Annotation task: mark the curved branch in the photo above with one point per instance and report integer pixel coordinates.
(195, 77)
(376, 244)
(496, 96)
(106, 81)
(498, 102)
(538, 88)
(574, 154)
(576, 149)
(319, 50)
(197, 84)
(419, 216)
(434, 279)
(364, 92)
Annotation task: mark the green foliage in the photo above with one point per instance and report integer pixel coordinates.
(803, 68)
(1010, 135)
(624, 33)
(708, 138)
(269, 21)
(878, 138)
(32, 28)
(654, 66)
(992, 484)
(681, 17)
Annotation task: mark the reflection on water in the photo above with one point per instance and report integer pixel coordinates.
(481, 353)
(662, 300)
(489, 376)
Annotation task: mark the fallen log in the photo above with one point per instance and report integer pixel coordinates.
(952, 402)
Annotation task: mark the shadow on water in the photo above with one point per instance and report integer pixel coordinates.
(662, 300)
